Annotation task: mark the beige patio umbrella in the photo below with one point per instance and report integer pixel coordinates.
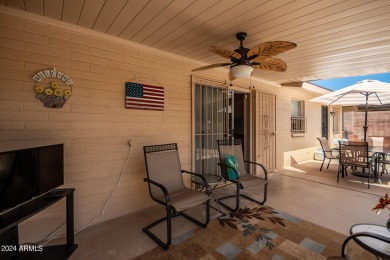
(367, 92)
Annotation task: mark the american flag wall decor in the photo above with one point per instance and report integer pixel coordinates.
(141, 96)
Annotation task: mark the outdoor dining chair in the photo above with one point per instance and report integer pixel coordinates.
(166, 187)
(375, 142)
(327, 151)
(379, 160)
(378, 155)
(355, 155)
(232, 164)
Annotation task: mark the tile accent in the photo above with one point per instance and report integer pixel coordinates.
(312, 245)
(256, 246)
(182, 237)
(298, 252)
(293, 219)
(229, 250)
(277, 257)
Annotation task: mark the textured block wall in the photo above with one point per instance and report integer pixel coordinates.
(94, 125)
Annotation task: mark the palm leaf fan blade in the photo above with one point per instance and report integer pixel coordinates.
(226, 53)
(270, 48)
(267, 63)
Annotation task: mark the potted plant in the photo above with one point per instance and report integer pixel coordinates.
(383, 202)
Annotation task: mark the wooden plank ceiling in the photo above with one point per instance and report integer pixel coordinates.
(335, 38)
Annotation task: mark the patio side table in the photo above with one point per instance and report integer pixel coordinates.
(213, 181)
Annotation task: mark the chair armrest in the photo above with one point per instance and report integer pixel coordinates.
(224, 165)
(262, 166)
(200, 176)
(362, 234)
(335, 149)
(163, 189)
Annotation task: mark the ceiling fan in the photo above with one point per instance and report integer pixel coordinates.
(244, 60)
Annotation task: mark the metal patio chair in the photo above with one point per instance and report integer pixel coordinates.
(371, 237)
(166, 187)
(239, 175)
(355, 155)
(327, 151)
(378, 155)
(379, 160)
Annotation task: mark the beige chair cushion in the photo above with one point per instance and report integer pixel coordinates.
(185, 199)
(164, 168)
(252, 183)
(326, 148)
(375, 141)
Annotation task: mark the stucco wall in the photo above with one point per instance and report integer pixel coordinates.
(94, 125)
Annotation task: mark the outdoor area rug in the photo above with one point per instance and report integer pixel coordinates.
(258, 232)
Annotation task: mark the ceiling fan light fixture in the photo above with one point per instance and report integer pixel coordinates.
(241, 71)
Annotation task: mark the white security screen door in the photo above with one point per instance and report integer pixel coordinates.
(265, 125)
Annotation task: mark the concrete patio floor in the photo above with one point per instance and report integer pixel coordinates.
(302, 191)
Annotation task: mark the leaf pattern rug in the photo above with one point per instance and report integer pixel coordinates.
(258, 232)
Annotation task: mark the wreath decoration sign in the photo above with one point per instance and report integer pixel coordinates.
(53, 87)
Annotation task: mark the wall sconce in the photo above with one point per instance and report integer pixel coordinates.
(332, 113)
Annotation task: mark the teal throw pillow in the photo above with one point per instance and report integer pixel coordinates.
(232, 162)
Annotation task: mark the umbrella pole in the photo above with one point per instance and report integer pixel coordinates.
(365, 128)
(365, 119)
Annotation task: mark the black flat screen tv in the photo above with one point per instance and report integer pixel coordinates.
(29, 173)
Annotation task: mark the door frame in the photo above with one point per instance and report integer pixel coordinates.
(248, 123)
(228, 87)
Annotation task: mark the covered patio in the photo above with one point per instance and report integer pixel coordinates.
(91, 54)
(301, 191)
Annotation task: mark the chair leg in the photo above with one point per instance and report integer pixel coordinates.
(338, 173)
(343, 170)
(168, 219)
(369, 175)
(329, 163)
(169, 230)
(197, 221)
(323, 160)
(344, 247)
(259, 202)
(237, 196)
(376, 170)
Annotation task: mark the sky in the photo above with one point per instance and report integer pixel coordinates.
(335, 84)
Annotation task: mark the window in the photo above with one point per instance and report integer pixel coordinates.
(298, 122)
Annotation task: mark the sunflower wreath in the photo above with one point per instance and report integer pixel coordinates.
(53, 95)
